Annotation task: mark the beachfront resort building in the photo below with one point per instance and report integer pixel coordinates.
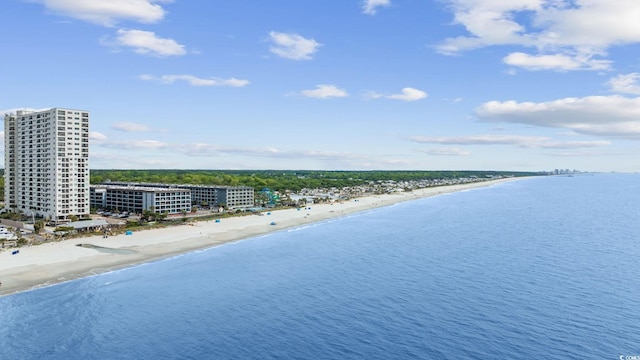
(46, 157)
(231, 197)
(136, 199)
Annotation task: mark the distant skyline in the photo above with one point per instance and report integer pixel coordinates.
(514, 85)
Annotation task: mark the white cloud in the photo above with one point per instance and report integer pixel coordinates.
(488, 22)
(479, 139)
(595, 24)
(201, 149)
(581, 30)
(110, 12)
(626, 84)
(373, 95)
(102, 140)
(556, 62)
(145, 144)
(133, 127)
(607, 116)
(325, 91)
(579, 153)
(136, 144)
(165, 154)
(370, 7)
(97, 136)
(146, 42)
(539, 142)
(196, 81)
(409, 94)
(447, 151)
(572, 144)
(211, 150)
(293, 46)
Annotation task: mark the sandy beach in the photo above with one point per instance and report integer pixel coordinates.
(55, 262)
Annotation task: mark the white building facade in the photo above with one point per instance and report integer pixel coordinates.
(136, 199)
(47, 163)
(233, 197)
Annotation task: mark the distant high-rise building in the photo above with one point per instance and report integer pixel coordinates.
(46, 163)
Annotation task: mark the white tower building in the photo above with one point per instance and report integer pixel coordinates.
(46, 163)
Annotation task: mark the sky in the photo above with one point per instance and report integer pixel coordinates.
(511, 85)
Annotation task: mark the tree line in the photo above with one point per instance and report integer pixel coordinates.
(281, 180)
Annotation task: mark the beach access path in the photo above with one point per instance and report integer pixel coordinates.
(50, 263)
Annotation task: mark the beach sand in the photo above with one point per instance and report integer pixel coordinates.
(55, 262)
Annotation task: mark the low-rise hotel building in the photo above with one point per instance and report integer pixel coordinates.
(232, 197)
(137, 199)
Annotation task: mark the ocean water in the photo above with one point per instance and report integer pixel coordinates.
(541, 268)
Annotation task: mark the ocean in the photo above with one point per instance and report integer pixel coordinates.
(539, 268)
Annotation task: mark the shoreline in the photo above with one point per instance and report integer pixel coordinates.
(57, 262)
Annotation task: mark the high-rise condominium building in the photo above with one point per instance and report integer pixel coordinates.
(46, 163)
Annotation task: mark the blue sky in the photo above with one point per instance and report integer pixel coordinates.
(523, 85)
